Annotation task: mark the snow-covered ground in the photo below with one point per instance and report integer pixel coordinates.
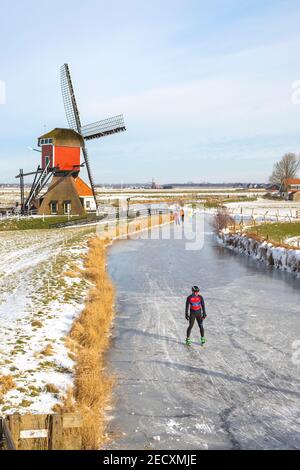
(174, 194)
(264, 209)
(279, 257)
(38, 304)
(293, 241)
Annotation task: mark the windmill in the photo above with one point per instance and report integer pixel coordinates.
(91, 131)
(50, 166)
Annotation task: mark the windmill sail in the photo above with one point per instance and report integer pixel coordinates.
(105, 127)
(69, 99)
(95, 130)
(73, 117)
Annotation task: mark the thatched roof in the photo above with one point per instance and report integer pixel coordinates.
(64, 137)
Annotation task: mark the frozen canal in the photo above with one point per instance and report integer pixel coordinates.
(242, 390)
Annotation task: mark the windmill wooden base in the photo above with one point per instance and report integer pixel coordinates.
(66, 195)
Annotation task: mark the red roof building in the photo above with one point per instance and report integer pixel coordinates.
(291, 189)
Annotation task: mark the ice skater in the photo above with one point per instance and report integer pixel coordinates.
(195, 310)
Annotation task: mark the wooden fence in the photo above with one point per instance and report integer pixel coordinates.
(41, 432)
(270, 214)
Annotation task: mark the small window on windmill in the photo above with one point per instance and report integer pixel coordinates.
(45, 141)
(53, 207)
(67, 207)
(88, 204)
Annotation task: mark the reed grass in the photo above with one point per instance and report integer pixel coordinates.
(89, 337)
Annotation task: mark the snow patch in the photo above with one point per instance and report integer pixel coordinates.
(38, 305)
(278, 257)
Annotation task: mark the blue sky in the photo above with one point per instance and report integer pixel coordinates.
(205, 87)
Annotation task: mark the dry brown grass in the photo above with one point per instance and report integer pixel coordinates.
(90, 339)
(47, 351)
(36, 323)
(72, 273)
(6, 383)
(261, 238)
(51, 388)
(129, 228)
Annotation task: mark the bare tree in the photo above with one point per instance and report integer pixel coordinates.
(222, 220)
(285, 169)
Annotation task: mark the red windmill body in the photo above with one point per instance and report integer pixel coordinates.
(67, 193)
(61, 149)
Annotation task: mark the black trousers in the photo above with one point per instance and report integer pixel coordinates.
(195, 316)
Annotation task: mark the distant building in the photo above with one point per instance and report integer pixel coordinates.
(273, 187)
(290, 189)
(154, 185)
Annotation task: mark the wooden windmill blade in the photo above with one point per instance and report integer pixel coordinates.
(71, 108)
(95, 130)
(73, 117)
(103, 128)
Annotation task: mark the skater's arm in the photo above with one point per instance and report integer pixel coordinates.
(187, 304)
(203, 307)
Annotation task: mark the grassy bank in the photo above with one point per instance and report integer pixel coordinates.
(276, 232)
(88, 341)
(32, 223)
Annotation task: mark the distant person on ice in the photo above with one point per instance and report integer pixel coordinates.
(195, 310)
(176, 217)
(182, 214)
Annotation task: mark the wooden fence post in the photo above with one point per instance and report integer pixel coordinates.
(1, 431)
(14, 427)
(55, 432)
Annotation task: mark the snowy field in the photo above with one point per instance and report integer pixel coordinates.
(293, 241)
(264, 209)
(38, 304)
(9, 195)
(174, 194)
